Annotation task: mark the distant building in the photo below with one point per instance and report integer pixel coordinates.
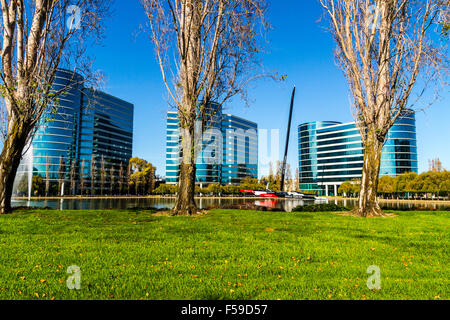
(331, 153)
(240, 149)
(86, 124)
(227, 153)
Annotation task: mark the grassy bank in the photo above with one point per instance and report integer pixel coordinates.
(225, 254)
(409, 201)
(381, 200)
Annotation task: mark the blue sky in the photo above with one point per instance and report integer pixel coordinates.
(298, 46)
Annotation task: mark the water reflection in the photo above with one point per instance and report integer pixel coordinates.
(204, 203)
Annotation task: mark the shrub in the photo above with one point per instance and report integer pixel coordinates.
(166, 189)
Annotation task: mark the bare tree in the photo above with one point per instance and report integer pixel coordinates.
(73, 177)
(38, 37)
(93, 174)
(271, 176)
(111, 180)
(289, 181)
(121, 179)
(383, 46)
(216, 45)
(82, 177)
(279, 170)
(102, 174)
(435, 165)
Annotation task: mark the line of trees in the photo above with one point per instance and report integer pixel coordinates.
(428, 185)
(212, 189)
(272, 180)
(96, 177)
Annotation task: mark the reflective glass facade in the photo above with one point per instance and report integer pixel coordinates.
(57, 135)
(106, 130)
(228, 151)
(209, 161)
(331, 153)
(173, 152)
(85, 124)
(240, 149)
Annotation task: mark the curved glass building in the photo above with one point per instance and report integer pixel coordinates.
(106, 131)
(331, 153)
(240, 149)
(84, 125)
(57, 134)
(400, 151)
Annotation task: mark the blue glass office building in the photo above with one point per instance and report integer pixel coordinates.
(173, 152)
(331, 153)
(57, 135)
(227, 152)
(209, 160)
(106, 130)
(240, 149)
(86, 124)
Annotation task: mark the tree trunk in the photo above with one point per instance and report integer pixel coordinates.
(185, 203)
(368, 205)
(10, 160)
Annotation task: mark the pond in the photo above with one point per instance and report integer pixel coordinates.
(203, 203)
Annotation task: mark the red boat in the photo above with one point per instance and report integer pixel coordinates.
(268, 195)
(278, 194)
(262, 194)
(247, 191)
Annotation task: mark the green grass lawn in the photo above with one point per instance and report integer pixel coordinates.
(225, 254)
